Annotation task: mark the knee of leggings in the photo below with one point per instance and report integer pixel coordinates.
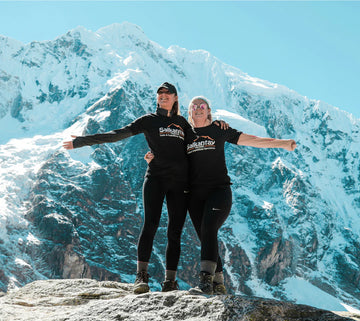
(209, 231)
(174, 234)
(150, 228)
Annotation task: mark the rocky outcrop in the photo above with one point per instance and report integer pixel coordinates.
(86, 299)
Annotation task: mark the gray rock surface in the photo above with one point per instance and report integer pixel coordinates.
(86, 299)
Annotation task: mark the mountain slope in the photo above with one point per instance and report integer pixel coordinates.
(292, 232)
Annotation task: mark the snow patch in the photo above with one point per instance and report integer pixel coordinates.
(303, 292)
(238, 122)
(22, 263)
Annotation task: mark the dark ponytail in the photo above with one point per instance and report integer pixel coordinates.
(175, 108)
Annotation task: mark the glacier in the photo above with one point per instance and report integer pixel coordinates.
(294, 226)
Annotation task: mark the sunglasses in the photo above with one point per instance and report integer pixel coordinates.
(202, 106)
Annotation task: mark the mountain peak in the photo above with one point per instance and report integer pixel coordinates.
(82, 34)
(124, 27)
(9, 42)
(116, 32)
(94, 81)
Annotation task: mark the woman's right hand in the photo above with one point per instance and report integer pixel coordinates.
(149, 156)
(69, 144)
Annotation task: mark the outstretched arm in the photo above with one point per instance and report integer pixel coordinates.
(264, 142)
(109, 137)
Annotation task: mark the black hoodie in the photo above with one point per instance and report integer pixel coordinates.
(165, 137)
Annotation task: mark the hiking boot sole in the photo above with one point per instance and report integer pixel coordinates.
(220, 290)
(141, 288)
(198, 291)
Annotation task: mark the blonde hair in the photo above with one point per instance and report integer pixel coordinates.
(206, 101)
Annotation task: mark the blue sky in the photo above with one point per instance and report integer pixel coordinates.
(310, 47)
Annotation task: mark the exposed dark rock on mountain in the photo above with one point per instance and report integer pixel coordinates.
(293, 232)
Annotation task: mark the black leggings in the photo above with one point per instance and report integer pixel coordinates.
(154, 191)
(208, 209)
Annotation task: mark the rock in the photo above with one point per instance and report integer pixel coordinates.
(86, 299)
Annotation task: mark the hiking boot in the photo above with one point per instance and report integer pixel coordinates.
(206, 283)
(219, 288)
(141, 282)
(169, 285)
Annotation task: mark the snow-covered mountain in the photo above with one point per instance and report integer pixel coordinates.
(293, 232)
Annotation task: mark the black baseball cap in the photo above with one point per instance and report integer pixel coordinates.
(171, 88)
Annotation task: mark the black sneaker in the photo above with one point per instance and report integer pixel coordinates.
(219, 288)
(141, 282)
(169, 285)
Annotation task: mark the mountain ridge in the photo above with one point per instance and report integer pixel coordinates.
(294, 217)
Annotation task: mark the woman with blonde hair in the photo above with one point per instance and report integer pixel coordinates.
(210, 194)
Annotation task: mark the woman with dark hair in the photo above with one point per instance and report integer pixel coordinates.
(210, 194)
(166, 177)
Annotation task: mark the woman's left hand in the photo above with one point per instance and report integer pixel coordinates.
(291, 145)
(223, 125)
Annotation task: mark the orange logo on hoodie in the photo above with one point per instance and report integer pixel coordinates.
(201, 143)
(173, 130)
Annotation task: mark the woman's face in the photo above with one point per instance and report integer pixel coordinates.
(165, 99)
(199, 110)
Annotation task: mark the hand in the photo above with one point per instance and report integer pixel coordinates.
(223, 125)
(149, 156)
(69, 144)
(291, 145)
